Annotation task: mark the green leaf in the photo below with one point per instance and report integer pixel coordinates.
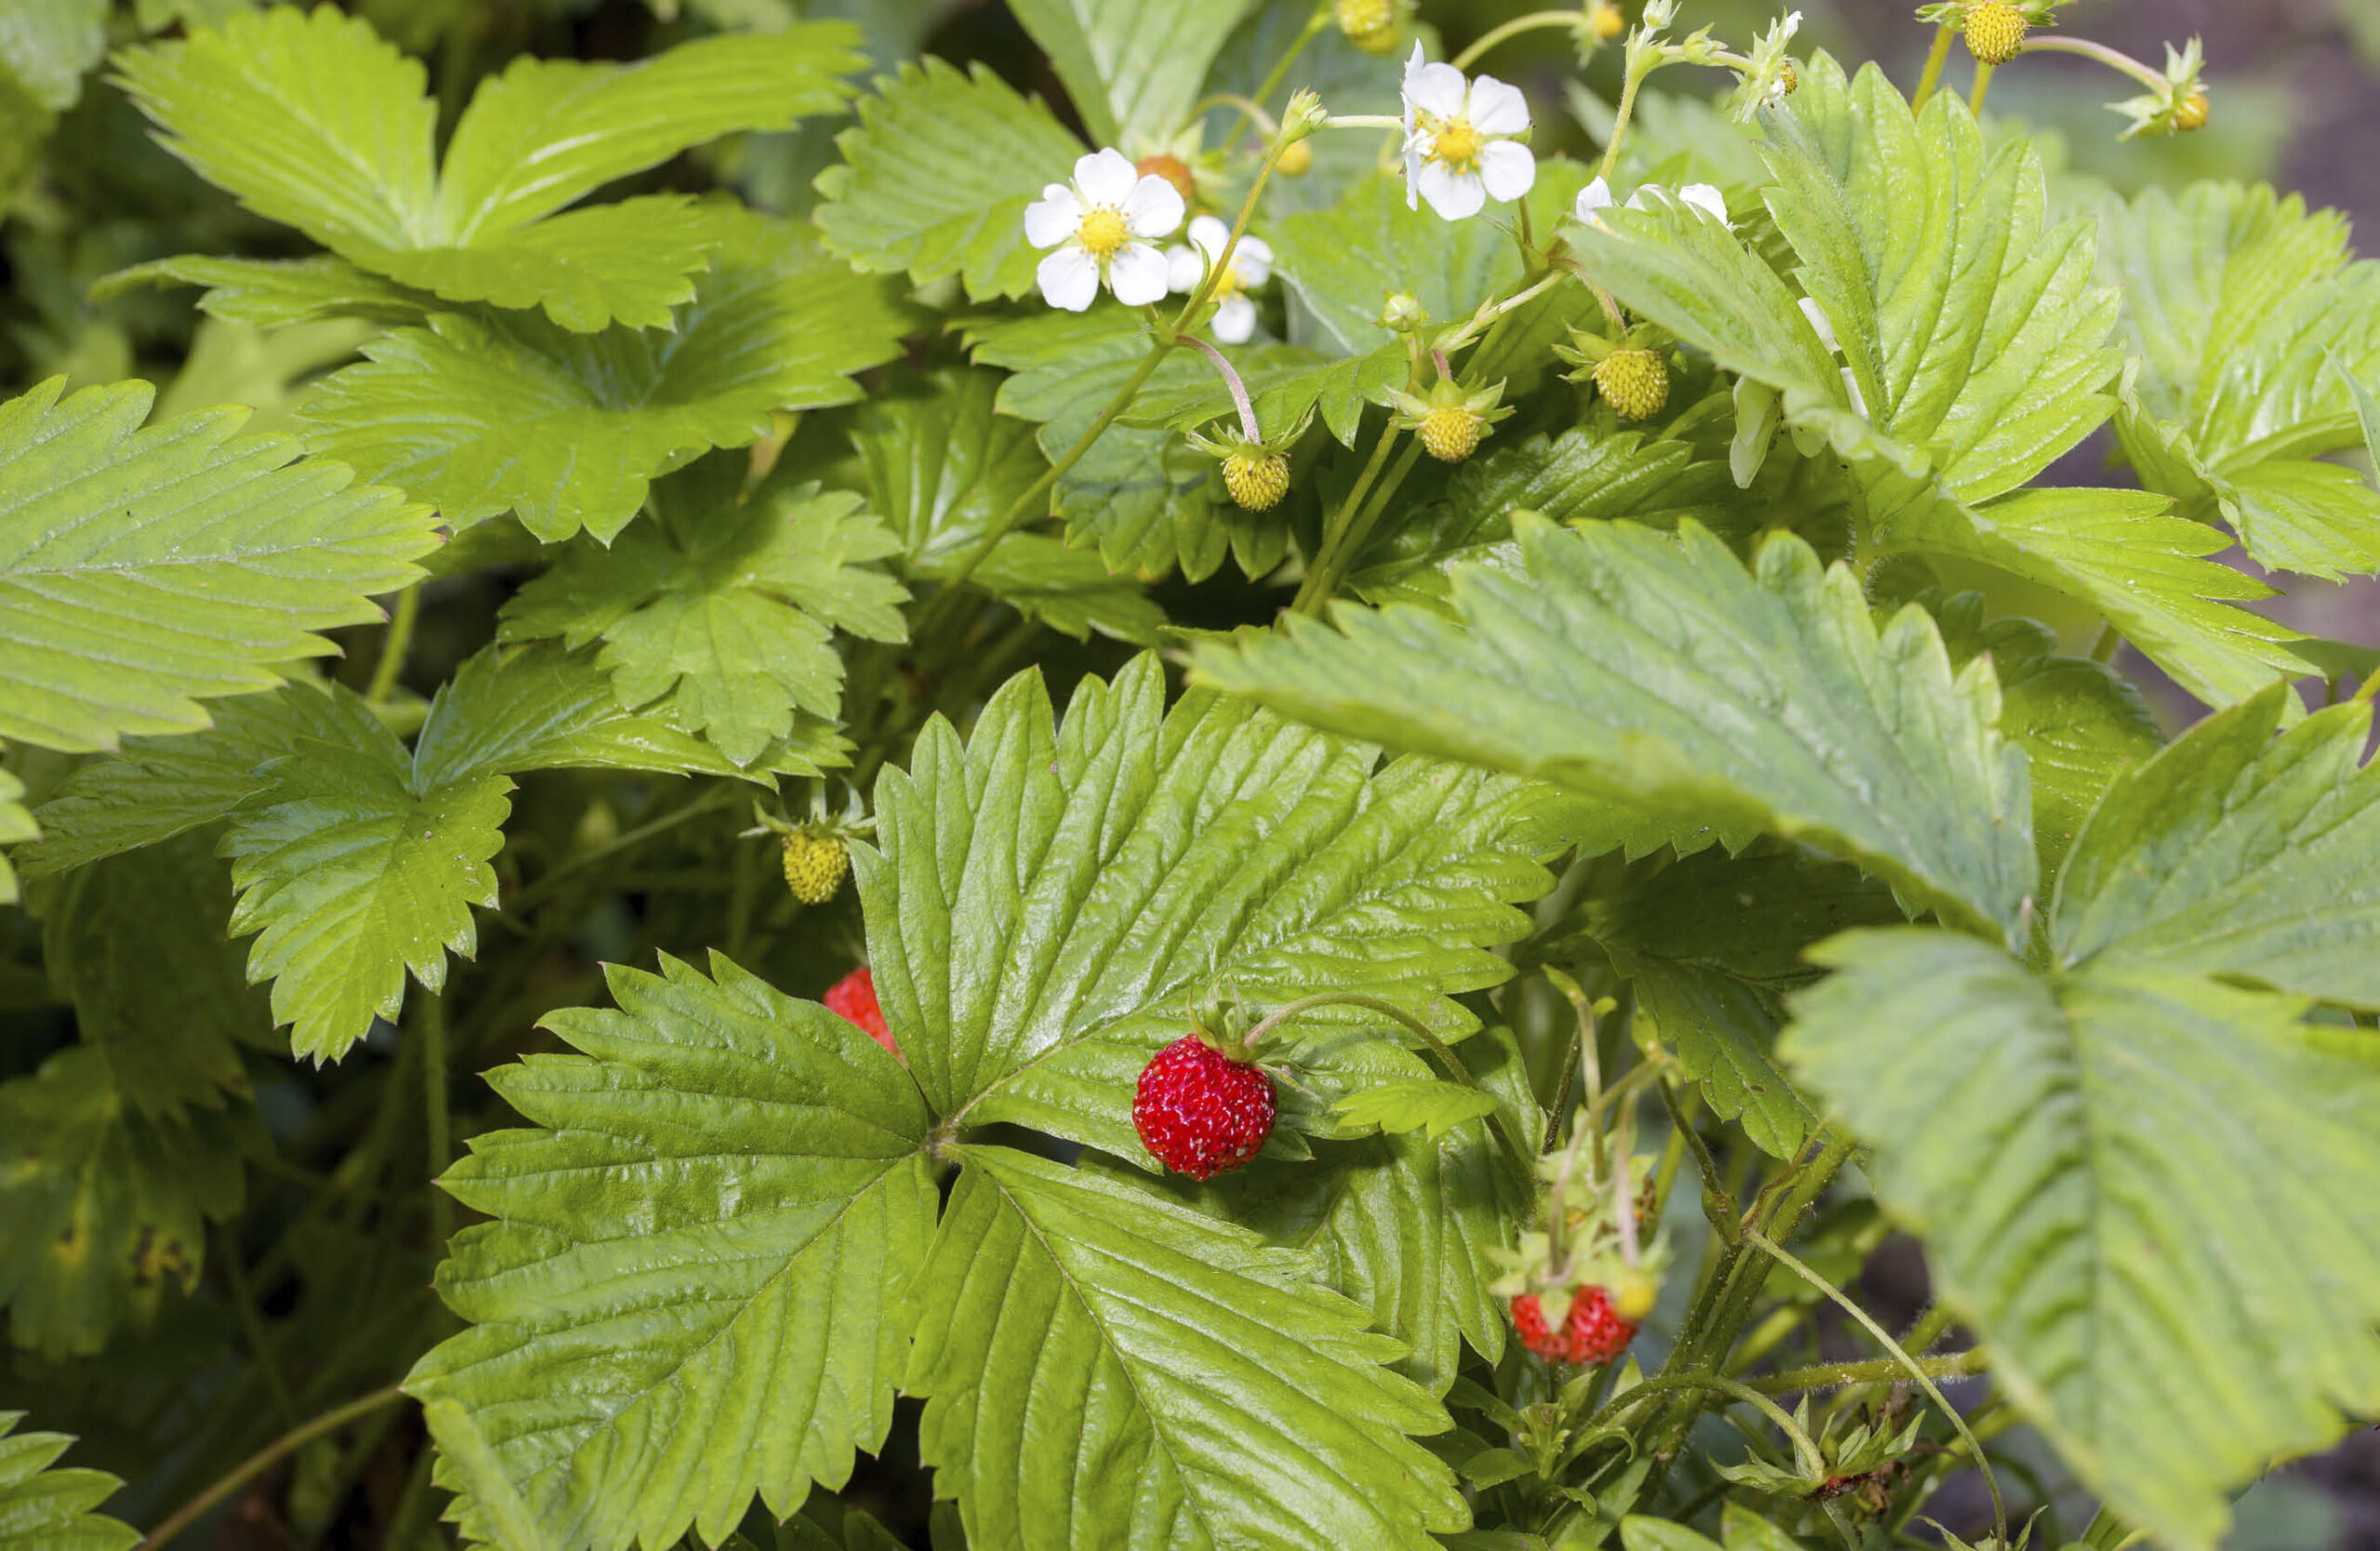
(2236, 855)
(51, 1509)
(142, 571)
(17, 825)
(2153, 1197)
(1192, 1386)
(1045, 902)
(692, 1287)
(274, 293)
(724, 611)
(137, 945)
(1283, 382)
(351, 876)
(936, 175)
(312, 121)
(943, 467)
(1133, 72)
(1415, 1104)
(1638, 1533)
(1713, 947)
(484, 415)
(1662, 675)
(49, 44)
(107, 1207)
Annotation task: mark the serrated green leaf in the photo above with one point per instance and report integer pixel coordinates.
(1712, 946)
(484, 415)
(1126, 1307)
(107, 1208)
(137, 945)
(2153, 1195)
(1664, 675)
(311, 120)
(1132, 71)
(935, 179)
(142, 571)
(17, 827)
(44, 1508)
(274, 293)
(1638, 1533)
(1413, 1105)
(723, 1289)
(943, 467)
(47, 45)
(1284, 382)
(1044, 901)
(351, 876)
(726, 610)
(2234, 854)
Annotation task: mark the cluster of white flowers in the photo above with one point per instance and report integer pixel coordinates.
(1462, 141)
(1104, 227)
(1704, 197)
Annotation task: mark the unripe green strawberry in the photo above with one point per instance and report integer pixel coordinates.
(1634, 382)
(1450, 434)
(2190, 113)
(1257, 483)
(814, 865)
(1370, 25)
(1995, 31)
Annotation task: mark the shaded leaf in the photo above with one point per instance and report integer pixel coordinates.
(49, 1507)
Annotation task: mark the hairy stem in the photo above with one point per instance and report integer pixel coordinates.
(1939, 56)
(1813, 1462)
(1534, 20)
(247, 1469)
(2114, 58)
(1829, 1376)
(1312, 592)
(1983, 70)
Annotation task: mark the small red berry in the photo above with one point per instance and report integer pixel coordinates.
(1594, 1335)
(1199, 1111)
(852, 998)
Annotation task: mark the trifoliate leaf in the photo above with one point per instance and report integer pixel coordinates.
(943, 467)
(1130, 1310)
(51, 1507)
(1131, 70)
(142, 571)
(2233, 854)
(693, 1289)
(725, 613)
(1659, 673)
(2252, 328)
(483, 415)
(2151, 1195)
(936, 176)
(1045, 903)
(137, 945)
(311, 120)
(1413, 1105)
(106, 1207)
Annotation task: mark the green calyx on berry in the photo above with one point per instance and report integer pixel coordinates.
(1199, 1111)
(1995, 31)
(815, 855)
(2176, 103)
(1451, 418)
(1255, 468)
(1633, 374)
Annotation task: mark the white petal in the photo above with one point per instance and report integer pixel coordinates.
(1637, 200)
(1413, 146)
(1105, 177)
(1793, 24)
(1821, 324)
(1153, 208)
(1507, 168)
(1184, 269)
(1209, 235)
(1437, 88)
(1069, 279)
(1454, 195)
(1496, 109)
(1235, 320)
(1137, 275)
(1851, 385)
(1595, 196)
(1053, 218)
(1706, 196)
(1254, 259)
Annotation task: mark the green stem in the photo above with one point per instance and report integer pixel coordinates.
(1352, 541)
(1620, 118)
(1514, 28)
(241, 1474)
(2114, 58)
(709, 802)
(1312, 594)
(1901, 1360)
(1983, 70)
(2105, 647)
(1314, 24)
(394, 643)
(1958, 1365)
(1813, 1462)
(431, 1011)
(235, 1282)
(1935, 59)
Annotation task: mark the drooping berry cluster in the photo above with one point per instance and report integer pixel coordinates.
(1594, 1332)
(1199, 1111)
(852, 998)
(814, 865)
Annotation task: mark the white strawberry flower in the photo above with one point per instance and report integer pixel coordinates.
(1102, 227)
(1596, 196)
(1461, 139)
(1251, 265)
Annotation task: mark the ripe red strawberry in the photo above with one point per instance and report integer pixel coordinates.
(1199, 1111)
(852, 998)
(1594, 1335)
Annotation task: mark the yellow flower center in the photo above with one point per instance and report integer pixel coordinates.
(1103, 233)
(1457, 145)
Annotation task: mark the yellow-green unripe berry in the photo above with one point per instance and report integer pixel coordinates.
(2191, 112)
(1995, 31)
(1295, 159)
(1634, 382)
(1370, 25)
(1450, 434)
(814, 865)
(1257, 481)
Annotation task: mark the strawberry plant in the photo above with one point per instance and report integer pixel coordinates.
(1176, 778)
